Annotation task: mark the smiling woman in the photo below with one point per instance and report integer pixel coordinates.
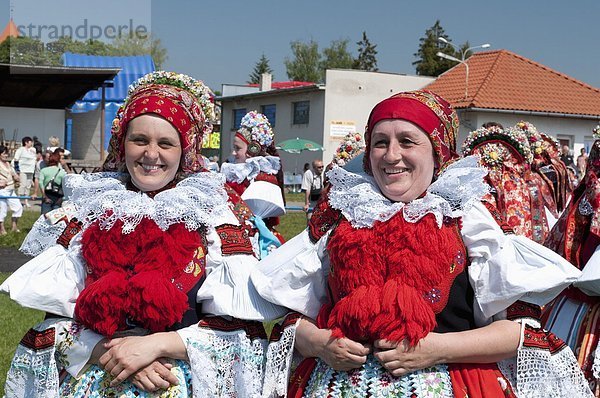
(404, 277)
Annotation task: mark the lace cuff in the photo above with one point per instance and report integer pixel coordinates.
(231, 359)
(238, 172)
(544, 367)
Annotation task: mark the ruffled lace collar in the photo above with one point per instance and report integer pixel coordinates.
(359, 199)
(238, 172)
(199, 200)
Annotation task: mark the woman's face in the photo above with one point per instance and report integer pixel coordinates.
(239, 150)
(401, 159)
(152, 152)
(4, 156)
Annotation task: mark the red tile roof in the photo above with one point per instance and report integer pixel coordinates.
(504, 80)
(284, 85)
(9, 30)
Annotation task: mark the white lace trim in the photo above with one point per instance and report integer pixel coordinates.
(454, 192)
(230, 364)
(238, 172)
(279, 362)
(33, 373)
(536, 373)
(198, 201)
(596, 364)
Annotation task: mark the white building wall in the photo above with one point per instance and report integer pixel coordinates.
(42, 123)
(351, 94)
(85, 135)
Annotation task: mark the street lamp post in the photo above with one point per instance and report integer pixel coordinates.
(462, 60)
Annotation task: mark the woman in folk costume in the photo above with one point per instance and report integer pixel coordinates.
(575, 315)
(351, 147)
(257, 174)
(556, 172)
(506, 155)
(543, 195)
(407, 285)
(154, 243)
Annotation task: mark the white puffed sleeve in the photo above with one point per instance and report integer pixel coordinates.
(507, 268)
(51, 281)
(227, 290)
(589, 282)
(295, 275)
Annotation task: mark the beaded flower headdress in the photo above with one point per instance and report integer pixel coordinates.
(494, 155)
(255, 130)
(352, 144)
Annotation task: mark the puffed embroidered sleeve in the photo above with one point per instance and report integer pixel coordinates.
(294, 275)
(507, 268)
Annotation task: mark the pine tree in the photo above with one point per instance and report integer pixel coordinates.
(366, 55)
(262, 66)
(428, 63)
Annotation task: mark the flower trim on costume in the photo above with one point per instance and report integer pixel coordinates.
(451, 195)
(515, 137)
(596, 132)
(238, 172)
(204, 95)
(352, 144)
(536, 141)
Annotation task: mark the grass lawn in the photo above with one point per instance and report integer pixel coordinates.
(16, 320)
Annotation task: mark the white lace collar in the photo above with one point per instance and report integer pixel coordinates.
(451, 195)
(198, 201)
(238, 172)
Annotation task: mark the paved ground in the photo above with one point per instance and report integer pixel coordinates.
(11, 259)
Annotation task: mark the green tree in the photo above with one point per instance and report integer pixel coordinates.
(137, 45)
(26, 51)
(262, 66)
(366, 55)
(305, 64)
(336, 56)
(428, 63)
(88, 47)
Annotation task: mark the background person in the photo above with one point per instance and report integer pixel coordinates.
(54, 144)
(581, 163)
(566, 157)
(26, 158)
(312, 185)
(403, 276)
(53, 171)
(8, 176)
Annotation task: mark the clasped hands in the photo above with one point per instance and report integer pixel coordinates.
(397, 357)
(137, 359)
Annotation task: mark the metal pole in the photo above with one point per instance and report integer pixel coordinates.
(102, 121)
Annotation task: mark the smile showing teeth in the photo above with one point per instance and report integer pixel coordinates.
(150, 167)
(395, 170)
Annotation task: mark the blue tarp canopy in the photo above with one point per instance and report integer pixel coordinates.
(132, 68)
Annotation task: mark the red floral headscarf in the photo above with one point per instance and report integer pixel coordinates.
(427, 110)
(183, 101)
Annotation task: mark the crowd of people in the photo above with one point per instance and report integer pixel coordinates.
(422, 272)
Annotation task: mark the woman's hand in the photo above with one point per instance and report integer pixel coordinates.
(340, 354)
(400, 359)
(127, 355)
(155, 376)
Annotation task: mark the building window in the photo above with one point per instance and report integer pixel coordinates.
(269, 112)
(238, 114)
(301, 112)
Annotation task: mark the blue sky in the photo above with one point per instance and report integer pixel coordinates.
(220, 41)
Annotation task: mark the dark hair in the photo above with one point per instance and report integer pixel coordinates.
(3, 149)
(59, 150)
(487, 125)
(25, 140)
(54, 159)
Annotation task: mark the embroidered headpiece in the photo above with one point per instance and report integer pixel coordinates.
(255, 130)
(182, 100)
(429, 111)
(596, 132)
(352, 145)
(536, 140)
(494, 144)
